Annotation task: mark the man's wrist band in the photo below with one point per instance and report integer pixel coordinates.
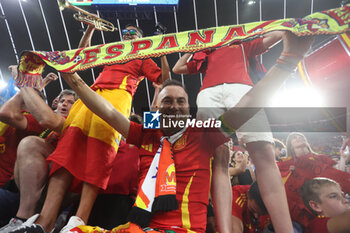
(292, 55)
(286, 67)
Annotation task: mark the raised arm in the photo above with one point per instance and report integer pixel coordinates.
(155, 96)
(272, 38)
(98, 104)
(294, 47)
(11, 112)
(344, 157)
(41, 111)
(86, 39)
(165, 70)
(181, 65)
(13, 70)
(346, 141)
(48, 79)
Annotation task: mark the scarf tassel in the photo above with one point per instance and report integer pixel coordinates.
(29, 80)
(165, 203)
(139, 216)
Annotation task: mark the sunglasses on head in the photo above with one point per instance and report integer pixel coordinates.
(131, 31)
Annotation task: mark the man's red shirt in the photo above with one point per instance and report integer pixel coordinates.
(229, 64)
(318, 225)
(193, 154)
(127, 76)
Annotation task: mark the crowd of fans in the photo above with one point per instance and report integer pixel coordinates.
(298, 147)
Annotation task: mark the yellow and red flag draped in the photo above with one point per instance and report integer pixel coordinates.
(334, 21)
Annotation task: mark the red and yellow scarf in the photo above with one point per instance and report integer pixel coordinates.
(158, 189)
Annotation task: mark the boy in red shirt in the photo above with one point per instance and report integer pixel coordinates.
(324, 198)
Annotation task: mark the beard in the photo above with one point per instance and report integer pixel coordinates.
(172, 120)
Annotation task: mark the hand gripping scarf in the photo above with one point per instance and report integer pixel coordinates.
(158, 189)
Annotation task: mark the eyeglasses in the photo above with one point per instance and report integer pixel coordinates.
(131, 31)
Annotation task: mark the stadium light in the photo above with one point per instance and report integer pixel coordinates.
(297, 97)
(251, 2)
(3, 84)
